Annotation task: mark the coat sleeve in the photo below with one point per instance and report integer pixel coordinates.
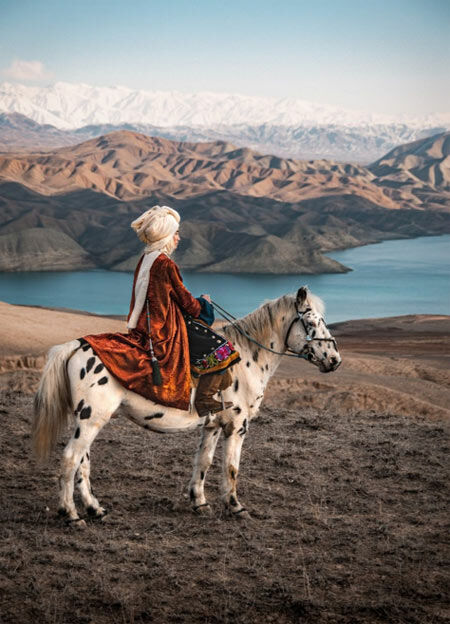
(180, 293)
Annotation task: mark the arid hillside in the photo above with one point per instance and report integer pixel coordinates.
(128, 166)
(277, 215)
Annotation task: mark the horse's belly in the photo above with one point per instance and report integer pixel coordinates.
(156, 417)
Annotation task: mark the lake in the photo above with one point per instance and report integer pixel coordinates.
(388, 279)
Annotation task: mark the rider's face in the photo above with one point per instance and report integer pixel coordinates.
(176, 238)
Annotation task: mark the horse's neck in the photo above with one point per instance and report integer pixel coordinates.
(267, 330)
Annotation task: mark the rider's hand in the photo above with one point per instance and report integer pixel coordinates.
(207, 297)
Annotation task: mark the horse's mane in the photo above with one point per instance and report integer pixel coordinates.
(261, 322)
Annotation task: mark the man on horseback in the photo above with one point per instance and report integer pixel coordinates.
(165, 322)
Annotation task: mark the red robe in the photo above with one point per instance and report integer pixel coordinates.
(127, 356)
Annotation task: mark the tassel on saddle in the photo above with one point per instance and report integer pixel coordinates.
(156, 371)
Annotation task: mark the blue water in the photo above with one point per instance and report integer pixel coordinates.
(388, 279)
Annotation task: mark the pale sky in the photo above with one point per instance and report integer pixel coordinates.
(387, 56)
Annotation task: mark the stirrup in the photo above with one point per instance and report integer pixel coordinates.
(216, 410)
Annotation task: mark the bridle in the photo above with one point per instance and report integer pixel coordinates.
(305, 353)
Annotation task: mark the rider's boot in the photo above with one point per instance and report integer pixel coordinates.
(207, 387)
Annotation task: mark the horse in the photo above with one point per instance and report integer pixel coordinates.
(76, 383)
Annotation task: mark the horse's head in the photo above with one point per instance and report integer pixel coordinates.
(308, 336)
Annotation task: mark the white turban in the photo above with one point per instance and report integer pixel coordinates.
(156, 227)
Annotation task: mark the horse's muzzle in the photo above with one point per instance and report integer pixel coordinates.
(330, 366)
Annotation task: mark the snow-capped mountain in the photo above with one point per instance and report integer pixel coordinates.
(69, 106)
(286, 127)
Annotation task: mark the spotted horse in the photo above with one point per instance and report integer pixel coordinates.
(75, 385)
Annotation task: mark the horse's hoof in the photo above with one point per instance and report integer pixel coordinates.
(203, 510)
(76, 523)
(96, 514)
(242, 514)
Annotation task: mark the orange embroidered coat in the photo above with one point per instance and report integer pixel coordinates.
(127, 356)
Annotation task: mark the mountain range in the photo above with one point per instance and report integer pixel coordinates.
(70, 208)
(285, 127)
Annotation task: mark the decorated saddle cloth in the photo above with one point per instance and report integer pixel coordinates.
(209, 352)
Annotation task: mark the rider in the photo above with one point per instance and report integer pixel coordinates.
(162, 310)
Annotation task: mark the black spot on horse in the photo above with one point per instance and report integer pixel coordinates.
(87, 456)
(192, 494)
(243, 430)
(282, 318)
(82, 373)
(86, 347)
(98, 368)
(79, 406)
(215, 433)
(320, 343)
(313, 333)
(256, 355)
(271, 345)
(233, 474)
(267, 367)
(202, 475)
(90, 363)
(79, 480)
(81, 460)
(77, 433)
(236, 385)
(102, 381)
(324, 354)
(233, 501)
(156, 415)
(248, 363)
(85, 413)
(237, 410)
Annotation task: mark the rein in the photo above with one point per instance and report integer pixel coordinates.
(231, 319)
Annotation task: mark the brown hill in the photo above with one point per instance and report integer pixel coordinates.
(127, 165)
(277, 215)
(420, 170)
(43, 250)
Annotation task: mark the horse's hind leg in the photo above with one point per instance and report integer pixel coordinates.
(203, 459)
(86, 429)
(91, 504)
(234, 432)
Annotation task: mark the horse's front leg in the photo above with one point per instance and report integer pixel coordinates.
(234, 430)
(203, 459)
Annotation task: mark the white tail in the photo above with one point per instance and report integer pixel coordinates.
(53, 401)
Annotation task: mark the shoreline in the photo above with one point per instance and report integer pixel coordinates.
(326, 253)
(396, 363)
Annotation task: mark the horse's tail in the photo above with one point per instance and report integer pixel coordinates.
(53, 400)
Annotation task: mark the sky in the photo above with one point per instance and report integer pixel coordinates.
(383, 56)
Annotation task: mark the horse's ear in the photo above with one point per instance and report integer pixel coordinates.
(302, 293)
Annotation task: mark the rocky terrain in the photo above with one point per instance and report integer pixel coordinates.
(277, 215)
(345, 475)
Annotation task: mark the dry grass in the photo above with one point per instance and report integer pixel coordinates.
(348, 526)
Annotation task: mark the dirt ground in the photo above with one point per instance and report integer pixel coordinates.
(349, 524)
(348, 491)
